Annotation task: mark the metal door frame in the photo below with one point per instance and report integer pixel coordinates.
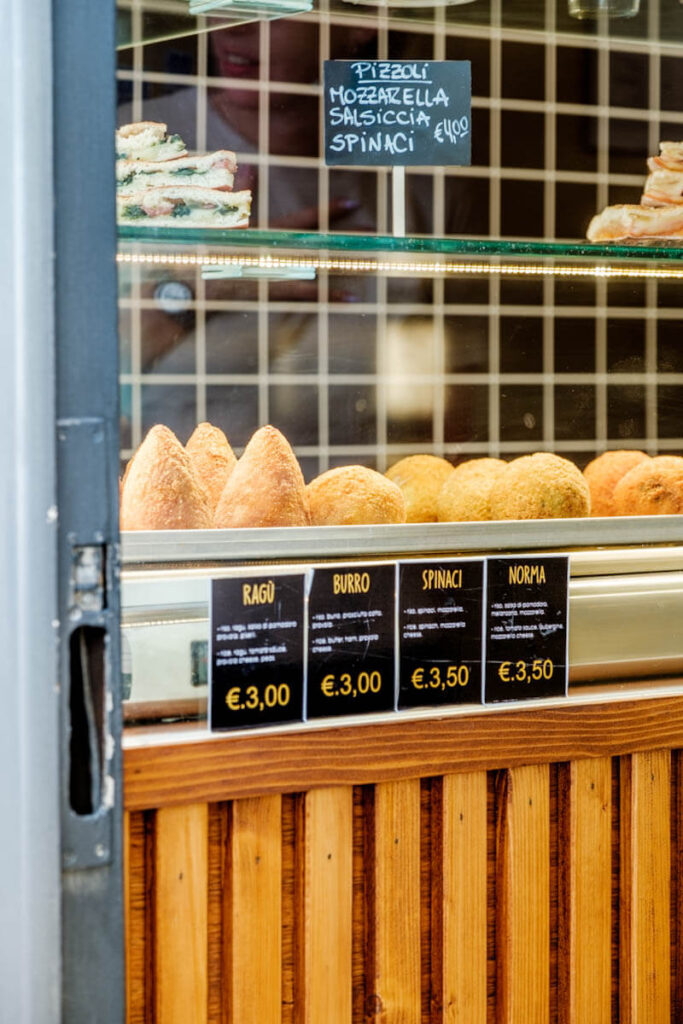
(61, 925)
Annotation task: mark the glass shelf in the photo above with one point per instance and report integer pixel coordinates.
(156, 21)
(148, 21)
(355, 253)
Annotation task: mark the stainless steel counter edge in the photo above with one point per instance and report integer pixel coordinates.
(310, 542)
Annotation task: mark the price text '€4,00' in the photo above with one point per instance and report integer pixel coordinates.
(254, 698)
(526, 672)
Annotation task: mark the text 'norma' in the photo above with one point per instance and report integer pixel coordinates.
(398, 113)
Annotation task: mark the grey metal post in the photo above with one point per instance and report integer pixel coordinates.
(87, 487)
(29, 792)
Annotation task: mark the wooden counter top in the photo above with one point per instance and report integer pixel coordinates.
(178, 764)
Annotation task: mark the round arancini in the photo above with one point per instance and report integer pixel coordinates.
(652, 488)
(465, 494)
(421, 478)
(353, 495)
(540, 486)
(604, 473)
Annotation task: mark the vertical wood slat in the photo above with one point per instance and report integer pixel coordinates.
(125, 839)
(395, 982)
(253, 916)
(523, 887)
(292, 907)
(328, 892)
(645, 992)
(139, 904)
(676, 885)
(181, 889)
(218, 833)
(464, 898)
(586, 861)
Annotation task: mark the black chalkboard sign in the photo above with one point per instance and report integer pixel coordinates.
(383, 113)
(257, 650)
(351, 617)
(440, 632)
(526, 627)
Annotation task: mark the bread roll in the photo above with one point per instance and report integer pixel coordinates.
(266, 487)
(354, 495)
(421, 478)
(160, 490)
(540, 486)
(212, 458)
(465, 495)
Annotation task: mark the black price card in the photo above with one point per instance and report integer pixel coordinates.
(526, 627)
(351, 640)
(257, 650)
(440, 632)
(383, 113)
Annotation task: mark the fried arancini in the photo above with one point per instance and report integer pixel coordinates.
(421, 478)
(604, 473)
(160, 490)
(540, 486)
(465, 494)
(352, 495)
(654, 487)
(213, 459)
(266, 487)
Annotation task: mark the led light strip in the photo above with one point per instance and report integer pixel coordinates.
(356, 266)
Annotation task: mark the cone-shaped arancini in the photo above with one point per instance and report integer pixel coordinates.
(421, 478)
(465, 495)
(354, 495)
(540, 486)
(266, 487)
(652, 488)
(213, 459)
(160, 489)
(604, 473)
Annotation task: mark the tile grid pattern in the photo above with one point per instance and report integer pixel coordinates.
(489, 367)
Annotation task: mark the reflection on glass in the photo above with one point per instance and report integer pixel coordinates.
(596, 8)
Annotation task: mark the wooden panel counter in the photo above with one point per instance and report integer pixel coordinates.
(517, 865)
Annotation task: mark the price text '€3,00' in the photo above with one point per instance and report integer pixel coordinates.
(257, 698)
(348, 685)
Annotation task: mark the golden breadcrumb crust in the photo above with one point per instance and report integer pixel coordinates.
(540, 486)
(604, 473)
(466, 494)
(352, 495)
(266, 487)
(213, 459)
(652, 488)
(160, 490)
(421, 478)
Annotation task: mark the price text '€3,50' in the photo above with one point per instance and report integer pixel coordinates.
(526, 672)
(436, 679)
(255, 698)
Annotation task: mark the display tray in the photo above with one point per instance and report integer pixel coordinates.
(310, 542)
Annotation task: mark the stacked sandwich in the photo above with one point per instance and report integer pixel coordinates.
(660, 213)
(158, 183)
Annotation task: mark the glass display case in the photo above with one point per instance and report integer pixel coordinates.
(458, 863)
(490, 328)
